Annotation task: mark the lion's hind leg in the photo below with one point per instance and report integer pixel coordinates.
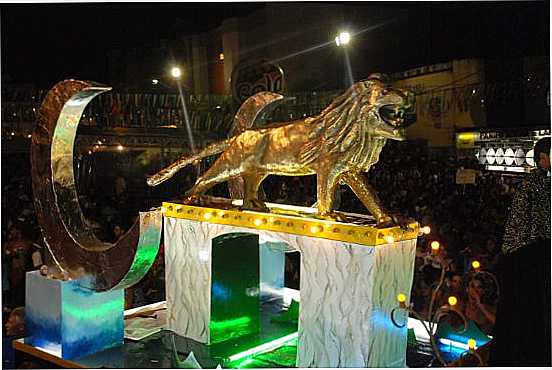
(251, 199)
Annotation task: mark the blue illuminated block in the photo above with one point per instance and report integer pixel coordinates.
(272, 265)
(69, 321)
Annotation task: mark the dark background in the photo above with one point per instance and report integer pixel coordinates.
(44, 43)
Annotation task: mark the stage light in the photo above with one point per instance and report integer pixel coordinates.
(89, 152)
(435, 245)
(476, 264)
(426, 230)
(452, 300)
(258, 222)
(120, 147)
(12, 133)
(155, 81)
(221, 56)
(29, 136)
(176, 72)
(343, 38)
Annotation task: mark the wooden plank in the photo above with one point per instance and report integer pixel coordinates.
(18, 345)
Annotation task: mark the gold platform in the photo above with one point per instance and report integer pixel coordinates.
(296, 220)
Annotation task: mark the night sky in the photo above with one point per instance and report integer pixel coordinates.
(44, 43)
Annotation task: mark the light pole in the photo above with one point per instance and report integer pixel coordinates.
(342, 40)
(176, 74)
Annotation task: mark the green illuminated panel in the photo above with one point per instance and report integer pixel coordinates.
(235, 305)
(281, 352)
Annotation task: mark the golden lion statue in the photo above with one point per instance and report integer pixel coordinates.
(337, 145)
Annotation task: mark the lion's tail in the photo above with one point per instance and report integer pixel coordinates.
(168, 172)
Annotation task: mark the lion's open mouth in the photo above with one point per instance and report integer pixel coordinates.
(392, 114)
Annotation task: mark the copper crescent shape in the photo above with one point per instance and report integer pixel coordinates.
(76, 250)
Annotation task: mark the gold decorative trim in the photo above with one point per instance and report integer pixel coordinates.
(297, 225)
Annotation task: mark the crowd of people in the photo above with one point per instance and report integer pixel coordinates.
(410, 180)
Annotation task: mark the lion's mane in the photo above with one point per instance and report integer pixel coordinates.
(339, 127)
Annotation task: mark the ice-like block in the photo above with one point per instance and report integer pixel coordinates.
(70, 321)
(272, 264)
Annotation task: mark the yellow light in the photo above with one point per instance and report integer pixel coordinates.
(426, 230)
(476, 264)
(258, 222)
(401, 298)
(452, 300)
(120, 147)
(316, 229)
(471, 344)
(435, 245)
(207, 215)
(466, 135)
(176, 72)
(221, 56)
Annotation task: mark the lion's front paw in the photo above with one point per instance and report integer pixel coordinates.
(192, 200)
(332, 216)
(393, 220)
(385, 221)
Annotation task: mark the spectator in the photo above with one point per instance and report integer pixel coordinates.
(480, 306)
(524, 310)
(17, 252)
(14, 328)
(454, 286)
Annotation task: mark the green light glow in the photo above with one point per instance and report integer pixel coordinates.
(264, 347)
(244, 363)
(146, 251)
(222, 331)
(227, 324)
(96, 311)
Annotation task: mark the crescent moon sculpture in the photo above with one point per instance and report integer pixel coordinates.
(76, 250)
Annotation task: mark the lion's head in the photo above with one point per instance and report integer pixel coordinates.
(369, 109)
(386, 111)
